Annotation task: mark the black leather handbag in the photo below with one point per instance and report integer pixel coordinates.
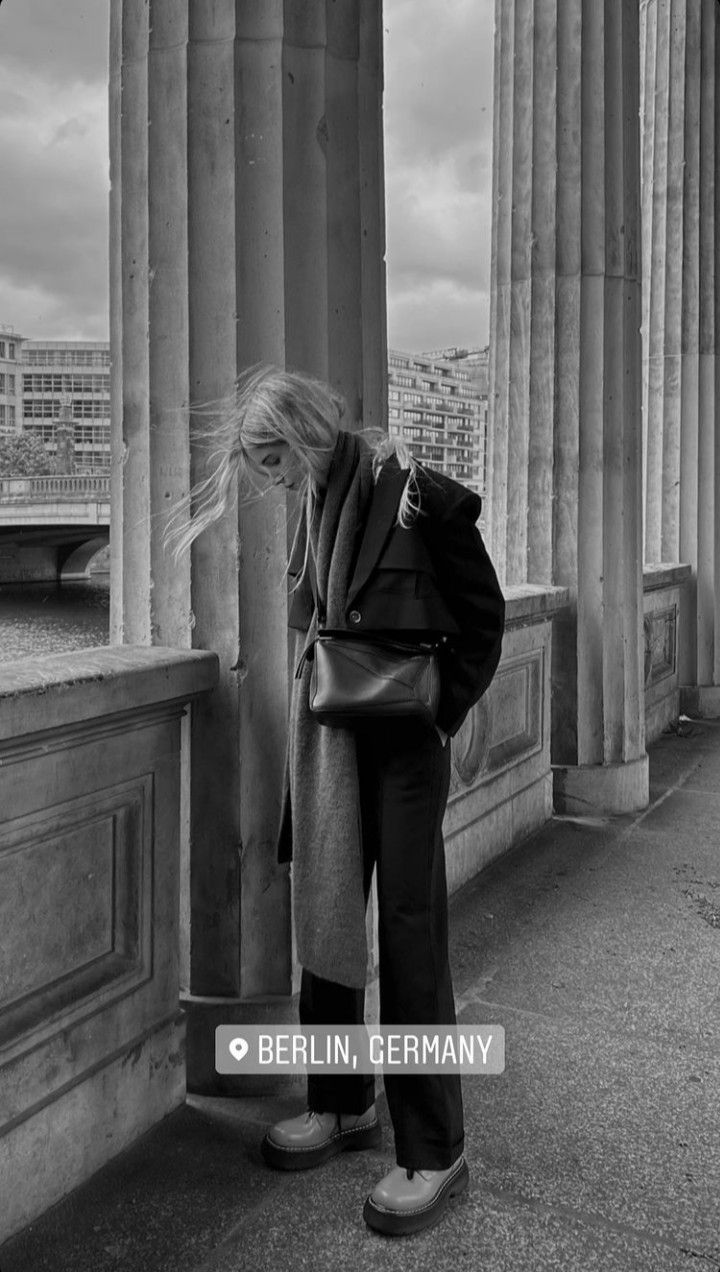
(355, 677)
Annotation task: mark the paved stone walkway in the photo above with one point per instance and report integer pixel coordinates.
(597, 945)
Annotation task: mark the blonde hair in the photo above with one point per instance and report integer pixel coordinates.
(270, 405)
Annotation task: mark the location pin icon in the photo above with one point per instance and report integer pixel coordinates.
(238, 1048)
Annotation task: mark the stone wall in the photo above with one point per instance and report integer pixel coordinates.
(91, 1037)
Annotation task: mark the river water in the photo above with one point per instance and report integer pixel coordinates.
(45, 618)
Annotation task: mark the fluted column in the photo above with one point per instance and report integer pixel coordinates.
(663, 66)
(681, 213)
(116, 315)
(334, 234)
(566, 369)
(708, 485)
(247, 226)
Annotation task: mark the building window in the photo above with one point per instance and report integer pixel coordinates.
(11, 348)
(90, 410)
(38, 383)
(67, 357)
(3, 354)
(41, 409)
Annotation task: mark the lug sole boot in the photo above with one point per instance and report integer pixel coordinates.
(313, 1138)
(405, 1201)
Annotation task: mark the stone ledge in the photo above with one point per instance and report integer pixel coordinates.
(664, 575)
(54, 690)
(532, 603)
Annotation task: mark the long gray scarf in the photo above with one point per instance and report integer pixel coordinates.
(328, 899)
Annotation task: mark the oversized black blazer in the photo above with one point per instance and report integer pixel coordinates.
(432, 579)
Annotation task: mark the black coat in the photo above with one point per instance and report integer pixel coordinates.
(433, 579)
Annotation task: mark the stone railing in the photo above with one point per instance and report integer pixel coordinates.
(662, 597)
(91, 1037)
(69, 486)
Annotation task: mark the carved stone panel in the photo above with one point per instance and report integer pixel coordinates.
(660, 629)
(75, 884)
(506, 726)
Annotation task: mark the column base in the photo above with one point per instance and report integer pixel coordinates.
(203, 1015)
(601, 788)
(702, 701)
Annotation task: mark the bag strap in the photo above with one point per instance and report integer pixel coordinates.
(308, 652)
(313, 577)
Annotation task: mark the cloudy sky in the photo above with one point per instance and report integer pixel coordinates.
(54, 169)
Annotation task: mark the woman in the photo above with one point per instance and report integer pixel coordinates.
(383, 545)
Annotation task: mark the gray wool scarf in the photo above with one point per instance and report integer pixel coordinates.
(328, 898)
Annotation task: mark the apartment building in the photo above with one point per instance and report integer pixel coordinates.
(74, 373)
(437, 403)
(42, 379)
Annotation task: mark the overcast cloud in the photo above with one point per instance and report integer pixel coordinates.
(54, 166)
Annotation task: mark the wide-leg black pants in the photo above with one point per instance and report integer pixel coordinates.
(404, 774)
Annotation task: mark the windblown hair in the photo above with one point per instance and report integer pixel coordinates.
(272, 405)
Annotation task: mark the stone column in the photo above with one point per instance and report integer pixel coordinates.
(680, 216)
(247, 227)
(707, 676)
(663, 123)
(566, 370)
(335, 237)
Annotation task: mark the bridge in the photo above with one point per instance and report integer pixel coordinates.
(51, 526)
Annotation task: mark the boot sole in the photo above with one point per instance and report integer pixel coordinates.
(402, 1223)
(353, 1140)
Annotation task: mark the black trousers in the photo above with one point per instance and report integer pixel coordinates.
(404, 774)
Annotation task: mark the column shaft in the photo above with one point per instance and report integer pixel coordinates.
(689, 390)
(306, 228)
(246, 226)
(168, 385)
(215, 865)
(661, 170)
(134, 423)
(116, 318)
(681, 210)
(501, 284)
(707, 425)
(264, 961)
(372, 215)
(567, 422)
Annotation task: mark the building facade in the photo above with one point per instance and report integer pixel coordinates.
(38, 376)
(80, 370)
(436, 403)
(10, 345)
